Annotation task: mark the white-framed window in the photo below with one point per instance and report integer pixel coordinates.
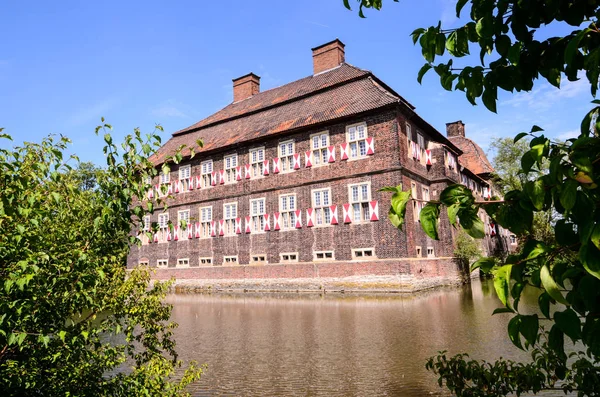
(430, 252)
(162, 263)
(356, 136)
(257, 259)
(230, 260)
(321, 200)
(183, 220)
(185, 172)
(165, 178)
(205, 219)
(287, 208)
(163, 227)
(359, 195)
(257, 214)
(323, 255)
(143, 263)
(288, 257)
(257, 156)
(419, 252)
(185, 262)
(230, 163)
(206, 169)
(513, 239)
(146, 228)
(229, 215)
(363, 253)
(205, 261)
(416, 203)
(425, 192)
(285, 152)
(318, 144)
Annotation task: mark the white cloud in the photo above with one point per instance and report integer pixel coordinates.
(568, 135)
(92, 113)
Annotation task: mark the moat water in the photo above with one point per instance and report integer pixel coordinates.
(336, 345)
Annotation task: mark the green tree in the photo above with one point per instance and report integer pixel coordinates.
(513, 53)
(73, 321)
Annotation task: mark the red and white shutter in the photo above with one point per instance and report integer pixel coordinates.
(331, 154)
(191, 183)
(238, 225)
(213, 229)
(197, 231)
(221, 227)
(298, 214)
(177, 185)
(492, 229)
(344, 154)
(168, 234)
(248, 229)
(238, 173)
(428, 157)
(296, 161)
(266, 167)
(156, 237)
(190, 231)
(413, 149)
(374, 210)
(170, 189)
(221, 177)
(276, 165)
(267, 221)
(276, 217)
(346, 213)
(309, 217)
(213, 178)
(151, 193)
(247, 173)
(370, 145)
(198, 182)
(334, 214)
(308, 159)
(418, 152)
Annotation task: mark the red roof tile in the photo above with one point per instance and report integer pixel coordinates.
(473, 156)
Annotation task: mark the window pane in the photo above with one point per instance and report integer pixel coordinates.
(290, 148)
(292, 203)
(354, 194)
(324, 140)
(325, 197)
(365, 192)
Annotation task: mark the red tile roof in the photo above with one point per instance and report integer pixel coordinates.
(473, 156)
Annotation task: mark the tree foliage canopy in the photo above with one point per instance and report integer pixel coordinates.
(73, 321)
(566, 270)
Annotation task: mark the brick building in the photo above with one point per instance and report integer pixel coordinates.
(287, 183)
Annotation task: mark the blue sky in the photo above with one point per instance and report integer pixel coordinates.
(65, 64)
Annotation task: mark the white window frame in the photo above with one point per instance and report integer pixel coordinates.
(162, 263)
(230, 260)
(360, 205)
(282, 256)
(183, 262)
(229, 219)
(230, 168)
(322, 212)
(146, 228)
(356, 137)
(360, 254)
(425, 193)
(183, 233)
(430, 252)
(164, 178)
(325, 254)
(258, 259)
(287, 214)
(163, 226)
(319, 148)
(206, 169)
(205, 220)
(415, 201)
(257, 216)
(418, 251)
(144, 263)
(185, 174)
(286, 157)
(208, 261)
(256, 156)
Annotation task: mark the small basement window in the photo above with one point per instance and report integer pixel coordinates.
(513, 239)
(206, 261)
(258, 258)
(230, 260)
(143, 263)
(323, 255)
(289, 257)
(419, 252)
(362, 253)
(162, 263)
(430, 253)
(183, 262)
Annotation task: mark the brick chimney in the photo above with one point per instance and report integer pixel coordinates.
(455, 129)
(245, 86)
(328, 56)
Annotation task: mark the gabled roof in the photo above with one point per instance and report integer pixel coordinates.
(473, 156)
(337, 93)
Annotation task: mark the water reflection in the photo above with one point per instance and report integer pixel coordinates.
(335, 345)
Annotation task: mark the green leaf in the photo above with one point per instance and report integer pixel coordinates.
(485, 264)
(459, 6)
(544, 304)
(452, 212)
(520, 136)
(502, 310)
(474, 226)
(595, 237)
(529, 328)
(568, 194)
(589, 256)
(573, 46)
(568, 321)
(535, 191)
(513, 331)
(556, 340)
(422, 72)
(502, 283)
(429, 220)
(550, 285)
